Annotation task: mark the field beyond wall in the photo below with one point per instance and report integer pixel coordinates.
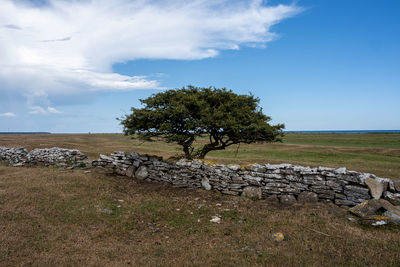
(376, 153)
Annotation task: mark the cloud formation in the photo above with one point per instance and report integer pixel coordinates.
(7, 114)
(38, 110)
(69, 47)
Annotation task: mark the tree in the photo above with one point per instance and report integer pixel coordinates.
(182, 115)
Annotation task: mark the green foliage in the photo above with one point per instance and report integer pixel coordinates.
(182, 115)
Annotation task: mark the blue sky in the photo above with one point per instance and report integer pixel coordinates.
(315, 65)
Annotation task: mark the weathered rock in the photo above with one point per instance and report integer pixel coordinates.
(272, 198)
(205, 183)
(366, 208)
(130, 172)
(252, 192)
(375, 220)
(287, 199)
(375, 187)
(345, 202)
(388, 206)
(392, 198)
(397, 185)
(394, 216)
(141, 173)
(307, 197)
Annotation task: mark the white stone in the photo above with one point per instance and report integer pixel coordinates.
(205, 183)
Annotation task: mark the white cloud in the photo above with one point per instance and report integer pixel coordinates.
(53, 110)
(7, 114)
(70, 46)
(38, 110)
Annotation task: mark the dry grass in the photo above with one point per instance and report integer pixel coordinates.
(56, 218)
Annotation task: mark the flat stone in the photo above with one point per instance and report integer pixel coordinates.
(375, 220)
(366, 208)
(392, 198)
(389, 206)
(394, 216)
(307, 197)
(288, 199)
(104, 157)
(375, 187)
(252, 192)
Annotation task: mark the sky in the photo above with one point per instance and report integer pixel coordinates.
(74, 66)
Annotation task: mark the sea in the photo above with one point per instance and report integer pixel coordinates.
(347, 131)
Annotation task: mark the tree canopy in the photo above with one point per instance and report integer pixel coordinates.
(182, 115)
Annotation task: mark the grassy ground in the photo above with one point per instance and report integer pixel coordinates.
(62, 218)
(375, 153)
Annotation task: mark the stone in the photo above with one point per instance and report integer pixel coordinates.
(394, 216)
(341, 171)
(375, 187)
(397, 185)
(388, 206)
(375, 220)
(104, 157)
(234, 167)
(392, 198)
(205, 183)
(107, 211)
(366, 208)
(288, 199)
(252, 192)
(130, 172)
(278, 237)
(141, 173)
(344, 202)
(215, 219)
(272, 198)
(307, 197)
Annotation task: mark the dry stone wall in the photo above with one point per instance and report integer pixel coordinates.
(46, 156)
(279, 182)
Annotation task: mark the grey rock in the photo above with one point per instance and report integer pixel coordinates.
(306, 197)
(234, 167)
(397, 185)
(205, 183)
(272, 198)
(130, 172)
(394, 216)
(104, 157)
(141, 173)
(345, 202)
(252, 192)
(366, 208)
(392, 198)
(341, 171)
(287, 199)
(375, 187)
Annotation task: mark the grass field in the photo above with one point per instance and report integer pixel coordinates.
(374, 153)
(71, 218)
(50, 217)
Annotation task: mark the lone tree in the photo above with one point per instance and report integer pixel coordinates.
(182, 115)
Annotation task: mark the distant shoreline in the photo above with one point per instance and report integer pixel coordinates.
(322, 132)
(347, 131)
(25, 133)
